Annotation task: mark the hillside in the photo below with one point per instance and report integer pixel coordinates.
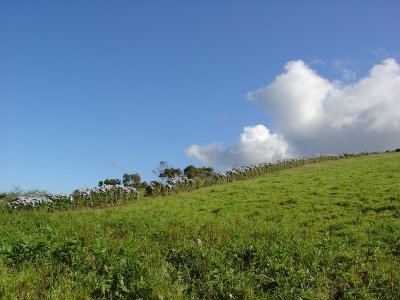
(322, 231)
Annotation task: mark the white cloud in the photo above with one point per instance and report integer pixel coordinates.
(211, 154)
(315, 115)
(373, 103)
(256, 144)
(293, 99)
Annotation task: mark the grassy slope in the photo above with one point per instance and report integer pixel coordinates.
(323, 231)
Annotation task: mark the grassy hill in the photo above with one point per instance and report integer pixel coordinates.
(323, 231)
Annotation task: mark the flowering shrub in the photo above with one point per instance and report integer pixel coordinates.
(171, 186)
(182, 183)
(116, 194)
(106, 194)
(253, 170)
(48, 200)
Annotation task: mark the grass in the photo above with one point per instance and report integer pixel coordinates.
(323, 231)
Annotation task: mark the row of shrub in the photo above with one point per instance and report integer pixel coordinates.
(182, 183)
(172, 181)
(94, 197)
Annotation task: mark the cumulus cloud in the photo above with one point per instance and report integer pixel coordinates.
(256, 144)
(312, 114)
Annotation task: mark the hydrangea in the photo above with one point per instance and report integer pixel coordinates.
(118, 193)
(171, 186)
(29, 202)
(104, 189)
(252, 170)
(182, 183)
(59, 197)
(103, 195)
(86, 197)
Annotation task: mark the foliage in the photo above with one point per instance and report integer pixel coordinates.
(166, 172)
(110, 181)
(144, 185)
(193, 172)
(162, 165)
(199, 177)
(171, 186)
(106, 194)
(108, 276)
(18, 192)
(95, 197)
(132, 180)
(170, 173)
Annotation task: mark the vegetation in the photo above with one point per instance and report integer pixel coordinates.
(104, 195)
(173, 181)
(20, 192)
(132, 180)
(200, 175)
(110, 181)
(195, 178)
(164, 171)
(328, 230)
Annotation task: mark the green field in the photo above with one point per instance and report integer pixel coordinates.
(321, 231)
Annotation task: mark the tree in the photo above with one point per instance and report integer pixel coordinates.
(144, 185)
(132, 180)
(193, 172)
(164, 171)
(161, 167)
(190, 171)
(111, 181)
(171, 173)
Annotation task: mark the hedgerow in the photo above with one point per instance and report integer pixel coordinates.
(182, 183)
(94, 197)
(117, 194)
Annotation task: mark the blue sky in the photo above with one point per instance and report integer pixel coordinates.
(93, 89)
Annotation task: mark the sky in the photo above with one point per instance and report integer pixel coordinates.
(94, 89)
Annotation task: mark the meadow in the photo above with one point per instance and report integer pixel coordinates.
(327, 230)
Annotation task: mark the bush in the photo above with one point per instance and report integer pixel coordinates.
(104, 195)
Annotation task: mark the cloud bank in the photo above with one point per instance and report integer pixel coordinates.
(312, 115)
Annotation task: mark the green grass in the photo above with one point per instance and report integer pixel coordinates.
(322, 231)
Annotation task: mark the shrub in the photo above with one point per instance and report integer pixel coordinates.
(104, 195)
